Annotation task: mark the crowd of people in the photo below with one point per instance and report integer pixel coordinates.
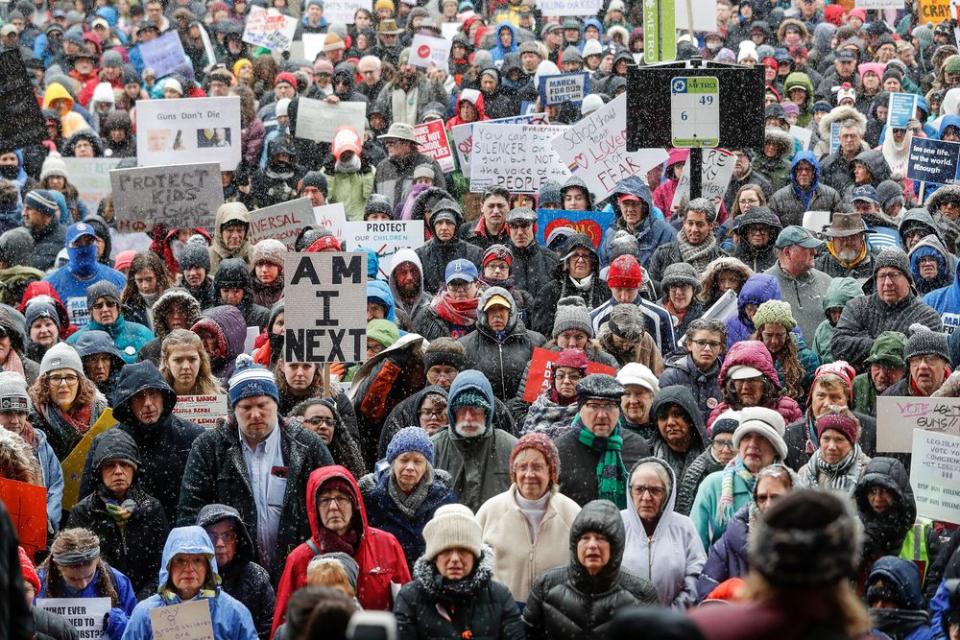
(699, 457)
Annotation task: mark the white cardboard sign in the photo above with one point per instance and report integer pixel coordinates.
(269, 28)
(934, 470)
(427, 51)
(189, 130)
(518, 157)
(318, 120)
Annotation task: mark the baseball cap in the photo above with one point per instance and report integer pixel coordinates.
(845, 54)
(743, 372)
(460, 269)
(866, 193)
(796, 235)
(79, 230)
(497, 300)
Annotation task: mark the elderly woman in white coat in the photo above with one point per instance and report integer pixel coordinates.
(528, 525)
(662, 546)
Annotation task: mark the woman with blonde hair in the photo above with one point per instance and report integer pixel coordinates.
(17, 461)
(185, 365)
(336, 570)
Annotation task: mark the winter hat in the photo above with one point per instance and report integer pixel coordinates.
(847, 426)
(549, 192)
(341, 484)
(194, 254)
(892, 257)
(765, 422)
(103, 92)
(496, 252)
(544, 445)
(626, 321)
(572, 313)
(102, 289)
(726, 422)
(410, 439)
(174, 85)
(332, 42)
(591, 103)
(923, 341)
(53, 166)
(61, 356)
(13, 392)
(592, 48)
(383, 332)
(443, 351)
(839, 369)
(268, 250)
(16, 246)
(349, 565)
(775, 312)
(43, 201)
(747, 50)
(470, 398)
(599, 386)
(808, 538)
(423, 171)
(572, 54)
(116, 444)
(680, 273)
(639, 374)
(452, 526)
(124, 259)
(887, 192)
(42, 307)
(572, 359)
(286, 76)
(624, 243)
(625, 272)
(28, 571)
(283, 107)
(887, 349)
(250, 380)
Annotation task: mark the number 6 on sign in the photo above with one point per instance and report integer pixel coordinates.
(695, 109)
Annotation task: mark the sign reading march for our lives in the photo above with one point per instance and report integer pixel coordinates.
(87, 615)
(591, 223)
(570, 7)
(165, 54)
(595, 149)
(269, 28)
(322, 320)
(901, 109)
(517, 157)
(462, 135)
(432, 141)
(898, 416)
(384, 237)
(282, 222)
(427, 51)
(189, 130)
(564, 87)
(185, 195)
(934, 471)
(933, 160)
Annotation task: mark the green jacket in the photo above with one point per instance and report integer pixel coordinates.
(351, 189)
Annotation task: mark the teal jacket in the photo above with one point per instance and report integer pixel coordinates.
(128, 337)
(704, 512)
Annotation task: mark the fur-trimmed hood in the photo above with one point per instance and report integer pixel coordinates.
(840, 114)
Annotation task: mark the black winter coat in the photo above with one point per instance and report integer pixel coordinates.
(796, 438)
(579, 478)
(681, 370)
(52, 626)
(47, 243)
(217, 473)
(532, 266)
(704, 465)
(567, 603)
(16, 623)
(164, 446)
(477, 607)
(435, 255)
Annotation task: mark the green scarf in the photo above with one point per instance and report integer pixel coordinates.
(121, 512)
(611, 472)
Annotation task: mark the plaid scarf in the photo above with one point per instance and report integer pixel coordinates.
(725, 504)
(611, 472)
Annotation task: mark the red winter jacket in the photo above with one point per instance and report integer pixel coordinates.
(753, 353)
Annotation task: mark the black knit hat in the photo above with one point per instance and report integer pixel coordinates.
(194, 254)
(444, 351)
(923, 341)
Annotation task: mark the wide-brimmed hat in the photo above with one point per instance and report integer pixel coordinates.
(845, 224)
(389, 27)
(400, 131)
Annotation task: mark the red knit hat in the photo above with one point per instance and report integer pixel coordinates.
(573, 359)
(28, 570)
(625, 272)
(846, 425)
(324, 243)
(286, 76)
(841, 369)
(544, 445)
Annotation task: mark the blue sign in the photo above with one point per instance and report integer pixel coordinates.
(563, 88)
(933, 160)
(593, 224)
(165, 55)
(901, 109)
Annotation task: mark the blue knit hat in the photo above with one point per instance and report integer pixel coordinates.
(410, 439)
(43, 201)
(250, 379)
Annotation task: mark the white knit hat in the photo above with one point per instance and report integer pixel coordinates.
(636, 373)
(53, 166)
(765, 422)
(13, 392)
(747, 50)
(61, 356)
(452, 526)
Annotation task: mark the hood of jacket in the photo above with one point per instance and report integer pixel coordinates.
(839, 292)
(94, 341)
(316, 480)
(890, 474)
(930, 242)
(876, 164)
(669, 503)
(482, 315)
(452, 207)
(56, 91)
(229, 326)
(470, 379)
(948, 121)
(115, 444)
(161, 309)
(577, 181)
(903, 576)
(15, 325)
(427, 201)
(379, 291)
(230, 212)
(683, 398)
(919, 216)
(799, 79)
(751, 353)
(187, 540)
(233, 272)
(133, 379)
(760, 215)
(758, 288)
(633, 186)
(214, 513)
(603, 517)
(478, 104)
(805, 156)
(839, 114)
(401, 256)
(718, 266)
(946, 191)
(782, 139)
(579, 241)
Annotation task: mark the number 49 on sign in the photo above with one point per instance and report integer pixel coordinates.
(695, 111)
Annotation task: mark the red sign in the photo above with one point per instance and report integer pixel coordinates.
(541, 372)
(27, 505)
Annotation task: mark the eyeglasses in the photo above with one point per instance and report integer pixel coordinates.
(572, 377)
(317, 421)
(928, 359)
(340, 501)
(707, 344)
(655, 492)
(106, 304)
(890, 275)
(69, 380)
(228, 537)
(532, 468)
(580, 257)
(724, 444)
(459, 286)
(435, 413)
(504, 268)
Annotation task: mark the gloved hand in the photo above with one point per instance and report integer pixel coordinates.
(115, 623)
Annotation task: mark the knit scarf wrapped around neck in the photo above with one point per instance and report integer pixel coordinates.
(121, 512)
(462, 313)
(843, 475)
(409, 503)
(698, 255)
(611, 472)
(725, 504)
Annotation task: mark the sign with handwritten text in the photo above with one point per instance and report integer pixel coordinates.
(898, 416)
(187, 621)
(934, 471)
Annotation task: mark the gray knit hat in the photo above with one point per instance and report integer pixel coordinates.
(13, 393)
(599, 386)
(624, 243)
(61, 356)
(102, 289)
(680, 273)
(923, 341)
(626, 321)
(572, 314)
(892, 257)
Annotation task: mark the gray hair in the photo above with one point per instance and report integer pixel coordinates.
(706, 324)
(704, 206)
(661, 472)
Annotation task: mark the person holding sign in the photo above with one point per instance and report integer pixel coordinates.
(188, 572)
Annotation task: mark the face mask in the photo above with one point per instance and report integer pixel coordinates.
(351, 166)
(83, 260)
(10, 172)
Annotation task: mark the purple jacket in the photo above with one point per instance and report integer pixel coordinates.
(758, 288)
(727, 558)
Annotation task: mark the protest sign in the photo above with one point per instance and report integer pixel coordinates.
(541, 372)
(270, 29)
(933, 160)
(595, 149)
(816, 221)
(201, 410)
(27, 506)
(569, 7)
(591, 223)
(384, 237)
(91, 177)
(164, 54)
(898, 416)
(463, 135)
(73, 464)
(934, 471)
(189, 130)
(802, 135)
(564, 87)
(427, 51)
(87, 615)
(834, 137)
(901, 109)
(934, 11)
(324, 320)
(715, 178)
(343, 11)
(21, 123)
(330, 216)
(704, 15)
(517, 157)
(186, 195)
(432, 141)
(313, 45)
(879, 4)
(282, 222)
(185, 621)
(319, 120)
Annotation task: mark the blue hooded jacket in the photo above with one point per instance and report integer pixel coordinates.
(651, 233)
(231, 620)
(118, 616)
(758, 288)
(590, 22)
(946, 302)
(379, 291)
(806, 197)
(498, 51)
(904, 577)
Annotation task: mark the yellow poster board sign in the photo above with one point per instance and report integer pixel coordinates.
(73, 465)
(935, 11)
